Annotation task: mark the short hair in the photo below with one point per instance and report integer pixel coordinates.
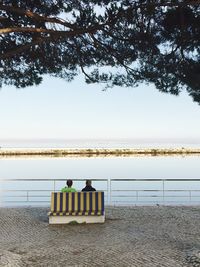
(88, 182)
(69, 183)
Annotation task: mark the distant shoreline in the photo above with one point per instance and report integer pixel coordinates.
(97, 152)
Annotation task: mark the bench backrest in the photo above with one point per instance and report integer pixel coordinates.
(77, 203)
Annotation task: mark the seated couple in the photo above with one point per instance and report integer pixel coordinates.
(69, 187)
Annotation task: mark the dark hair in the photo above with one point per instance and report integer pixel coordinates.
(88, 182)
(69, 183)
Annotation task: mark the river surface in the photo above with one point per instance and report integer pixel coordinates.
(124, 179)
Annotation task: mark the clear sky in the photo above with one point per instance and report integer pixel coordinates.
(58, 109)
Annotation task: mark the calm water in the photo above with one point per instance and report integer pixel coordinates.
(122, 168)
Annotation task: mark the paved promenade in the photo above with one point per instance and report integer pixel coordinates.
(137, 236)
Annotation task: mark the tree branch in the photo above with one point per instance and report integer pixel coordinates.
(19, 49)
(87, 75)
(169, 4)
(26, 29)
(110, 50)
(54, 35)
(35, 16)
(69, 33)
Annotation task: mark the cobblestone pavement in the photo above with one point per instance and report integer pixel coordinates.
(156, 236)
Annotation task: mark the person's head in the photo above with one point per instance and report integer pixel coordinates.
(69, 183)
(88, 182)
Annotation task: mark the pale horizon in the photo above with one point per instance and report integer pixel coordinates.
(122, 143)
(142, 140)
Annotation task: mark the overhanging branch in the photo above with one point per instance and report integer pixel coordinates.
(35, 16)
(22, 48)
(69, 33)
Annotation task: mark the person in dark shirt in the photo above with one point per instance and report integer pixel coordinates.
(88, 186)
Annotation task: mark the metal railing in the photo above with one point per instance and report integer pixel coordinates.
(29, 196)
(117, 191)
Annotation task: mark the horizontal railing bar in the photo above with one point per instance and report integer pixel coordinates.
(120, 190)
(34, 201)
(142, 201)
(103, 179)
(138, 201)
(155, 179)
(26, 196)
(29, 202)
(148, 201)
(158, 190)
(25, 201)
(24, 190)
(136, 190)
(143, 196)
(32, 196)
(39, 190)
(32, 179)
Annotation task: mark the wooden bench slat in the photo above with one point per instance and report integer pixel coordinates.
(77, 202)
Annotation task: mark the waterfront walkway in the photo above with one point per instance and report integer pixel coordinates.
(131, 236)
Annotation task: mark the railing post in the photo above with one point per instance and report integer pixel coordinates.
(110, 192)
(190, 193)
(54, 185)
(107, 191)
(27, 197)
(137, 195)
(163, 185)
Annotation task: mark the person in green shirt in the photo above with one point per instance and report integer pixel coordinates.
(69, 187)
